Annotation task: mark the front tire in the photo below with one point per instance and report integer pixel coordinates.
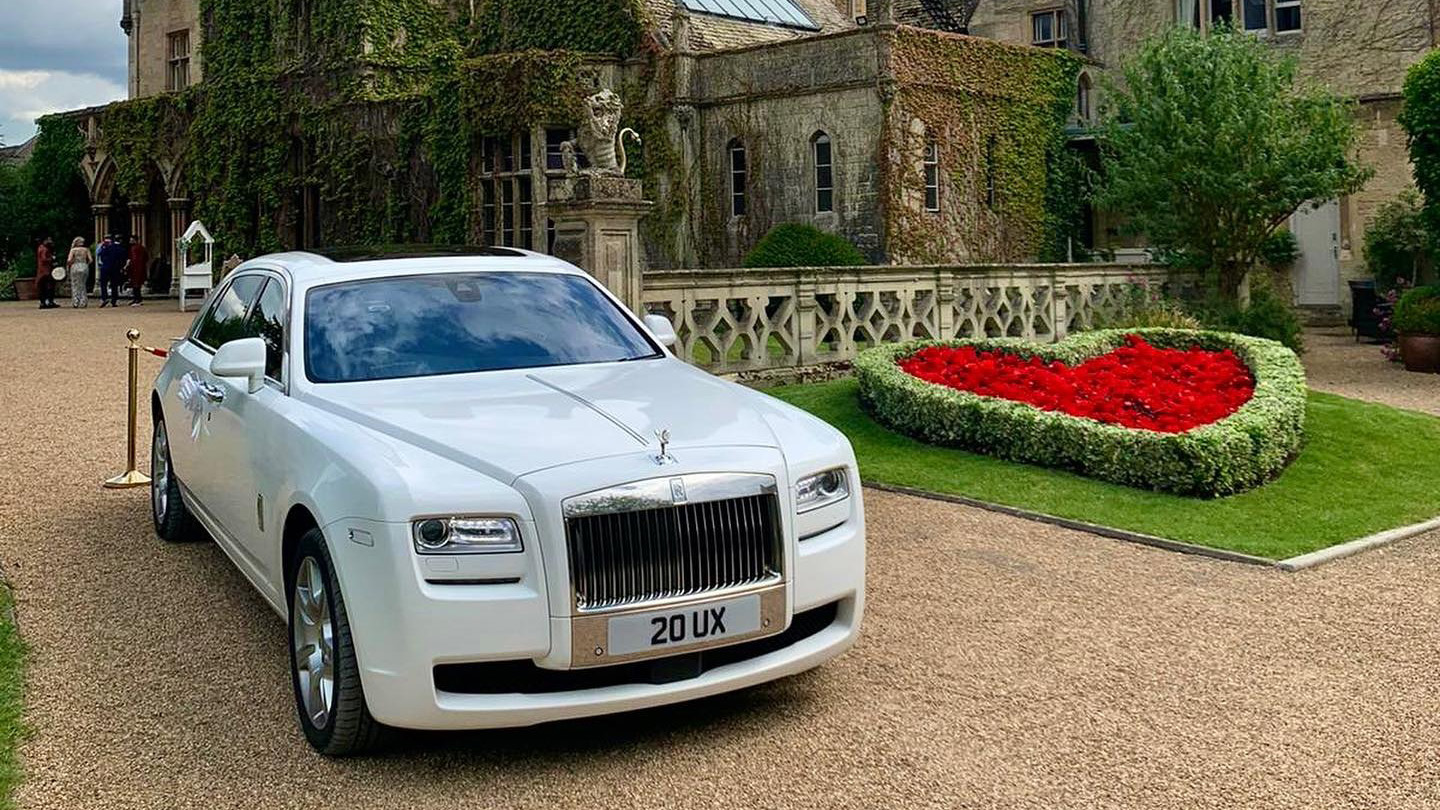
(173, 521)
(329, 697)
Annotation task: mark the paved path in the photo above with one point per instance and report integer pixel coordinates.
(1334, 362)
(1005, 664)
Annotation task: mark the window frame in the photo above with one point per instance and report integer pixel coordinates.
(822, 138)
(265, 274)
(1059, 28)
(507, 194)
(739, 193)
(177, 65)
(1273, 10)
(930, 166)
(282, 383)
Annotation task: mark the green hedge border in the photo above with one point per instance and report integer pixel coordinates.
(1239, 452)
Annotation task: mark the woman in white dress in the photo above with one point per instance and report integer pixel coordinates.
(79, 262)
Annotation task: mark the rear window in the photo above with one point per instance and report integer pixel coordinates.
(454, 323)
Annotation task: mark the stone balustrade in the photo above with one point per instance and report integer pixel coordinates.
(749, 320)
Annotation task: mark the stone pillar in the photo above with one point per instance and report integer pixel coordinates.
(179, 221)
(101, 216)
(137, 220)
(597, 227)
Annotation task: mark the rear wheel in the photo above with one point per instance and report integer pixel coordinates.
(326, 676)
(173, 521)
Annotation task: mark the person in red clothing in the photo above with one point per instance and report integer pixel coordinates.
(135, 269)
(44, 266)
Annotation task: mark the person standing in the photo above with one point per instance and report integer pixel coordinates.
(79, 262)
(44, 267)
(137, 265)
(112, 264)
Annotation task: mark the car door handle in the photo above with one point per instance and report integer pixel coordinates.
(212, 392)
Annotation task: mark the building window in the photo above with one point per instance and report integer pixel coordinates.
(932, 175)
(507, 192)
(739, 178)
(824, 173)
(1049, 29)
(1255, 15)
(1287, 16)
(1082, 98)
(178, 50)
(1221, 11)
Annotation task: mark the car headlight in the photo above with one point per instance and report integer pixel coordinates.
(467, 535)
(822, 489)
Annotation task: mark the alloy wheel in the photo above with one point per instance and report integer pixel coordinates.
(313, 638)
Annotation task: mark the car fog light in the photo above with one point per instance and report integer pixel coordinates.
(467, 535)
(822, 489)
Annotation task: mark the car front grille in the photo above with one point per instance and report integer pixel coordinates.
(668, 552)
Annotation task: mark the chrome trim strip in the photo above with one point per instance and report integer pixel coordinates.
(657, 493)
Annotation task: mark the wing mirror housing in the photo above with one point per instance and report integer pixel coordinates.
(660, 327)
(241, 358)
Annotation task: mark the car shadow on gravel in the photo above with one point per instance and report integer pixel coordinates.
(748, 711)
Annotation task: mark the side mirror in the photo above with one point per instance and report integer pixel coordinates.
(241, 358)
(660, 327)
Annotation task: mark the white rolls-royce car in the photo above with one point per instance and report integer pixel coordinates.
(484, 494)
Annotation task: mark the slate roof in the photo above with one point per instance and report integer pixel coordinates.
(711, 33)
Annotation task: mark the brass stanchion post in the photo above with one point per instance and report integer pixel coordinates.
(132, 477)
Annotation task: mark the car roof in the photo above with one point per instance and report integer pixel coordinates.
(311, 268)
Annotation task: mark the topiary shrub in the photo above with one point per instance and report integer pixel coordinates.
(1238, 452)
(1418, 312)
(796, 245)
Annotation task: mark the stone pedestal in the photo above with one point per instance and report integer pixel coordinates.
(597, 227)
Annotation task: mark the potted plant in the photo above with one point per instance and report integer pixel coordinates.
(1417, 322)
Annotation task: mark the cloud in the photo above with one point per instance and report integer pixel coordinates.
(28, 94)
(72, 36)
(57, 55)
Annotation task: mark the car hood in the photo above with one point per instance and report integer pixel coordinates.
(510, 423)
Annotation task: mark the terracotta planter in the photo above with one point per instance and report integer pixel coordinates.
(25, 289)
(1420, 353)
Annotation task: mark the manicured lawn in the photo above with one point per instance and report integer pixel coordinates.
(1365, 468)
(12, 694)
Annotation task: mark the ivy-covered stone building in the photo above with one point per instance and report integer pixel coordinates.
(295, 123)
(1358, 49)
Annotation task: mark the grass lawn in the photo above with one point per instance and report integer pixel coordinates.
(1365, 468)
(12, 695)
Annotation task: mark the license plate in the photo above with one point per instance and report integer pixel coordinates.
(677, 628)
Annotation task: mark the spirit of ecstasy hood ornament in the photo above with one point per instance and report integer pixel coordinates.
(663, 457)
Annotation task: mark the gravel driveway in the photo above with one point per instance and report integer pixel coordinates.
(1005, 663)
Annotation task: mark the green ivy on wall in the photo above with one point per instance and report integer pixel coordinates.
(612, 27)
(996, 114)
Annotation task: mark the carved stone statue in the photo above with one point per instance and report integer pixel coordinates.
(600, 135)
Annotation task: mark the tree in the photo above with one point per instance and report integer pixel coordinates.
(46, 195)
(1420, 116)
(1210, 144)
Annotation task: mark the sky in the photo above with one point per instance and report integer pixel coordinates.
(57, 55)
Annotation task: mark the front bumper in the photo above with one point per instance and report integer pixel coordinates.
(405, 627)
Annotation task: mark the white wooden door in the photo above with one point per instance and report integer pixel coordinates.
(1317, 270)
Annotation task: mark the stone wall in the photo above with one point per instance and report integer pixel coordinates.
(151, 23)
(775, 100)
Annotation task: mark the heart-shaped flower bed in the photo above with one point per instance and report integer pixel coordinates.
(1136, 385)
(1193, 412)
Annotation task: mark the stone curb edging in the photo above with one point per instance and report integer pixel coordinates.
(1290, 565)
(1385, 538)
(1080, 525)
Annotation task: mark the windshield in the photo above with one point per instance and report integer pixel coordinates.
(452, 323)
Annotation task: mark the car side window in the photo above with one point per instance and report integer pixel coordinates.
(267, 320)
(226, 319)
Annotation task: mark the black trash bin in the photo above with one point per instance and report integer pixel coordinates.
(1367, 310)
